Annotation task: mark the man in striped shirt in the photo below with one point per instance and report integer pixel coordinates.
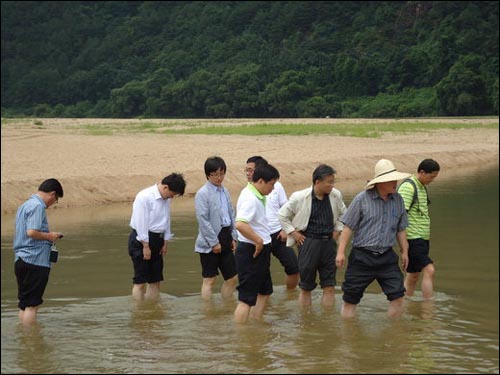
(377, 217)
(419, 228)
(32, 245)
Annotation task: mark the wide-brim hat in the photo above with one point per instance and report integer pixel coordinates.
(386, 171)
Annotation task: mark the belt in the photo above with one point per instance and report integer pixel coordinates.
(324, 237)
(371, 252)
(156, 234)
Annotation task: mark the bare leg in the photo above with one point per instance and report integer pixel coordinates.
(428, 281)
(395, 308)
(241, 312)
(328, 298)
(411, 283)
(291, 281)
(29, 315)
(153, 292)
(206, 287)
(257, 311)
(348, 310)
(305, 297)
(228, 287)
(138, 292)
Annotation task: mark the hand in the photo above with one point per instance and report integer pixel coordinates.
(258, 247)
(146, 253)
(164, 249)
(298, 237)
(404, 260)
(340, 261)
(234, 245)
(282, 236)
(217, 248)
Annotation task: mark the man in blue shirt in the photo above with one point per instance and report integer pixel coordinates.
(32, 245)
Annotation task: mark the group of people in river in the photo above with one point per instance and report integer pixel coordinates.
(308, 233)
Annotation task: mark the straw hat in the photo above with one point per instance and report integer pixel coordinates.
(386, 171)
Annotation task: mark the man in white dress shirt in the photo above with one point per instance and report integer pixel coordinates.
(147, 243)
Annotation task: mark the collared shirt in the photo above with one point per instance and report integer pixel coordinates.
(224, 204)
(321, 219)
(375, 222)
(251, 209)
(274, 201)
(150, 213)
(31, 215)
(418, 217)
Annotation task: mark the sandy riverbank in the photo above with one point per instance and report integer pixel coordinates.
(98, 170)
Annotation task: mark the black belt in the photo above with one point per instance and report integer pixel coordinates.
(324, 237)
(371, 252)
(153, 234)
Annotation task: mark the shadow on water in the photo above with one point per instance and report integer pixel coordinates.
(90, 324)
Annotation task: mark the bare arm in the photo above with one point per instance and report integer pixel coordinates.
(344, 239)
(403, 245)
(246, 230)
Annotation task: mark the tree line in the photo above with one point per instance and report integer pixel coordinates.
(221, 59)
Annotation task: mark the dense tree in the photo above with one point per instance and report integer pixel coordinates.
(249, 58)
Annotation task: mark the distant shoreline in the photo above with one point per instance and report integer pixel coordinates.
(103, 169)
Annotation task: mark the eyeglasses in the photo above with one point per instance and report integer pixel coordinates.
(248, 170)
(216, 175)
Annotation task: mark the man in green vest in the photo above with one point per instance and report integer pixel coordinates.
(416, 202)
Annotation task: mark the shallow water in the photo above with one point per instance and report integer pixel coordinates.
(89, 324)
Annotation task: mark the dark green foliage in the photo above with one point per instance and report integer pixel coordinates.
(249, 58)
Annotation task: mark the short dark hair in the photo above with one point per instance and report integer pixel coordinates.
(213, 164)
(52, 185)
(265, 171)
(175, 182)
(257, 160)
(321, 172)
(428, 166)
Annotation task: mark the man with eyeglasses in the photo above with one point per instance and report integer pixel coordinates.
(32, 246)
(216, 240)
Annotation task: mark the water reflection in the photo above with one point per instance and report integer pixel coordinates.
(90, 324)
(35, 354)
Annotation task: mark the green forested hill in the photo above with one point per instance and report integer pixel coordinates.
(249, 58)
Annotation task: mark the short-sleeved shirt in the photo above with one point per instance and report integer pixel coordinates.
(375, 222)
(31, 215)
(419, 221)
(251, 209)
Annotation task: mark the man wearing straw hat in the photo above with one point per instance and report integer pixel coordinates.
(377, 217)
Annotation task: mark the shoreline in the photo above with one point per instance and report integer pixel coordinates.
(108, 169)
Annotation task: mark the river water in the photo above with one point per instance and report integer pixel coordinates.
(89, 323)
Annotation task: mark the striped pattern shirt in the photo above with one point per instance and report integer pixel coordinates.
(375, 222)
(418, 217)
(321, 219)
(31, 215)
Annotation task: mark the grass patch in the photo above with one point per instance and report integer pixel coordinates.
(364, 130)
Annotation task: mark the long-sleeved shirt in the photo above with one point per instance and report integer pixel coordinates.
(151, 213)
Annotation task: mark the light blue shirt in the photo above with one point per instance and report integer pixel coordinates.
(224, 204)
(31, 215)
(209, 206)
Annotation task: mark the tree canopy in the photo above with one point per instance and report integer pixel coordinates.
(249, 58)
